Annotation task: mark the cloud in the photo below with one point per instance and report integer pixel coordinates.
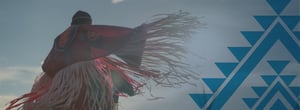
(4, 101)
(19, 73)
(17, 78)
(116, 1)
(15, 81)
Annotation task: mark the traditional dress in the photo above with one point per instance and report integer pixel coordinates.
(90, 66)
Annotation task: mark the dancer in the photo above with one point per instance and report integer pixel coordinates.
(90, 66)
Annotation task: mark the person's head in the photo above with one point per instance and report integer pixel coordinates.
(81, 17)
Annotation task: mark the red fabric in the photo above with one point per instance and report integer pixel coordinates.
(84, 42)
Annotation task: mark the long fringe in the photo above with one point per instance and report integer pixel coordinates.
(163, 54)
(164, 51)
(81, 86)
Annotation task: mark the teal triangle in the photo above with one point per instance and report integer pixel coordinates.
(278, 66)
(278, 5)
(259, 90)
(200, 99)
(265, 21)
(295, 90)
(226, 68)
(291, 21)
(278, 105)
(297, 34)
(252, 36)
(269, 78)
(250, 101)
(213, 83)
(288, 78)
(239, 52)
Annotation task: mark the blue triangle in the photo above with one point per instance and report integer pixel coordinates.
(291, 21)
(250, 101)
(226, 68)
(265, 21)
(259, 90)
(239, 52)
(295, 90)
(278, 105)
(200, 99)
(252, 36)
(268, 78)
(278, 66)
(297, 34)
(288, 79)
(278, 5)
(213, 83)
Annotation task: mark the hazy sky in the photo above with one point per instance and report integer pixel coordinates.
(28, 28)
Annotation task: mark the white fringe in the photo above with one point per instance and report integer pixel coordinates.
(80, 86)
(164, 51)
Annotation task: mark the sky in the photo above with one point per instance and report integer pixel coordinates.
(28, 28)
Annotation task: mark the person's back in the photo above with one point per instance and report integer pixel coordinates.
(80, 74)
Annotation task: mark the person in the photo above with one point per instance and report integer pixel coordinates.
(90, 66)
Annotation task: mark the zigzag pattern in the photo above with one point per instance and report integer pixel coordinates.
(275, 86)
(275, 83)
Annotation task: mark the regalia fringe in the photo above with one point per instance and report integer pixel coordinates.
(80, 86)
(163, 58)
